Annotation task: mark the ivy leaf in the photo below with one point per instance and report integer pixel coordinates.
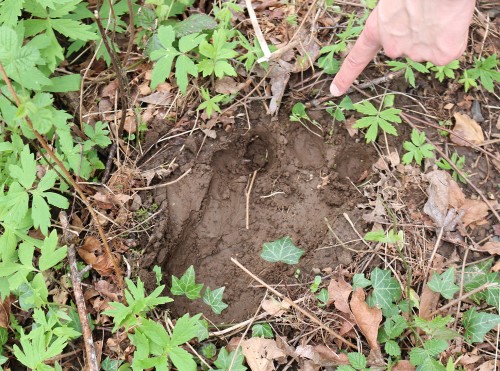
(282, 250)
(186, 285)
(359, 280)
(477, 324)
(214, 299)
(386, 289)
(224, 361)
(262, 330)
(432, 348)
(51, 254)
(444, 283)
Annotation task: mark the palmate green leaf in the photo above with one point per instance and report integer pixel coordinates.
(224, 361)
(366, 108)
(282, 250)
(186, 285)
(386, 289)
(478, 324)
(184, 66)
(15, 204)
(98, 134)
(40, 213)
(26, 172)
(444, 283)
(182, 359)
(186, 328)
(214, 299)
(10, 11)
(51, 254)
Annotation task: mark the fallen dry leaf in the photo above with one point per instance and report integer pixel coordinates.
(368, 319)
(492, 247)
(260, 353)
(466, 128)
(338, 294)
(91, 252)
(329, 358)
(456, 197)
(428, 302)
(228, 85)
(5, 312)
(159, 98)
(475, 212)
(274, 307)
(403, 366)
(108, 290)
(488, 366)
(348, 124)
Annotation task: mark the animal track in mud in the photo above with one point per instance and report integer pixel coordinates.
(294, 191)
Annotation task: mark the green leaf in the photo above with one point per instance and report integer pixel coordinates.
(262, 330)
(392, 348)
(444, 283)
(230, 361)
(186, 285)
(322, 297)
(185, 329)
(357, 360)
(182, 359)
(209, 350)
(184, 66)
(51, 254)
(386, 289)
(194, 23)
(282, 250)
(478, 324)
(359, 280)
(214, 299)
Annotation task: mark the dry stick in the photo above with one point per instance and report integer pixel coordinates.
(258, 32)
(460, 172)
(434, 251)
(131, 31)
(68, 176)
(306, 313)
(122, 90)
(248, 190)
(463, 297)
(82, 311)
(163, 184)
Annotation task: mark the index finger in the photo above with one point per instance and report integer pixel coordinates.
(365, 49)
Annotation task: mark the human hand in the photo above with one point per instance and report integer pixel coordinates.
(422, 30)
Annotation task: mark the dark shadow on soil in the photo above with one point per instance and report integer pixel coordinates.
(301, 180)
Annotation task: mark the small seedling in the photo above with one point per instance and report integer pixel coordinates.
(459, 162)
(213, 298)
(211, 103)
(322, 297)
(337, 110)
(441, 72)
(315, 285)
(417, 148)
(444, 124)
(408, 67)
(376, 118)
(299, 114)
(484, 70)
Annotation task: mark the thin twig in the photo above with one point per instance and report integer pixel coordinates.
(156, 186)
(68, 176)
(434, 250)
(248, 190)
(463, 297)
(258, 31)
(306, 313)
(82, 311)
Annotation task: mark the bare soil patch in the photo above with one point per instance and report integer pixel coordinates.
(300, 181)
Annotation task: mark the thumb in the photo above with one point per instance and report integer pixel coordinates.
(365, 49)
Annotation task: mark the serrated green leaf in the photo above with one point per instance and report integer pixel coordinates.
(444, 283)
(392, 348)
(366, 108)
(357, 360)
(182, 359)
(214, 299)
(51, 254)
(184, 66)
(186, 285)
(282, 250)
(185, 329)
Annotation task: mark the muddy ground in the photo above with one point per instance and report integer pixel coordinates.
(300, 181)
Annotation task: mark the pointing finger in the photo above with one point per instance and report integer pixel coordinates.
(364, 50)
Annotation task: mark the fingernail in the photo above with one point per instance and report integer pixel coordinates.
(335, 91)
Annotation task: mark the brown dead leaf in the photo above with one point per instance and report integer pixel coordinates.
(109, 90)
(308, 365)
(466, 128)
(338, 294)
(428, 302)
(488, 366)
(228, 85)
(5, 312)
(108, 290)
(456, 197)
(403, 366)
(260, 353)
(91, 252)
(475, 212)
(329, 358)
(492, 247)
(274, 307)
(159, 98)
(130, 125)
(348, 124)
(368, 319)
